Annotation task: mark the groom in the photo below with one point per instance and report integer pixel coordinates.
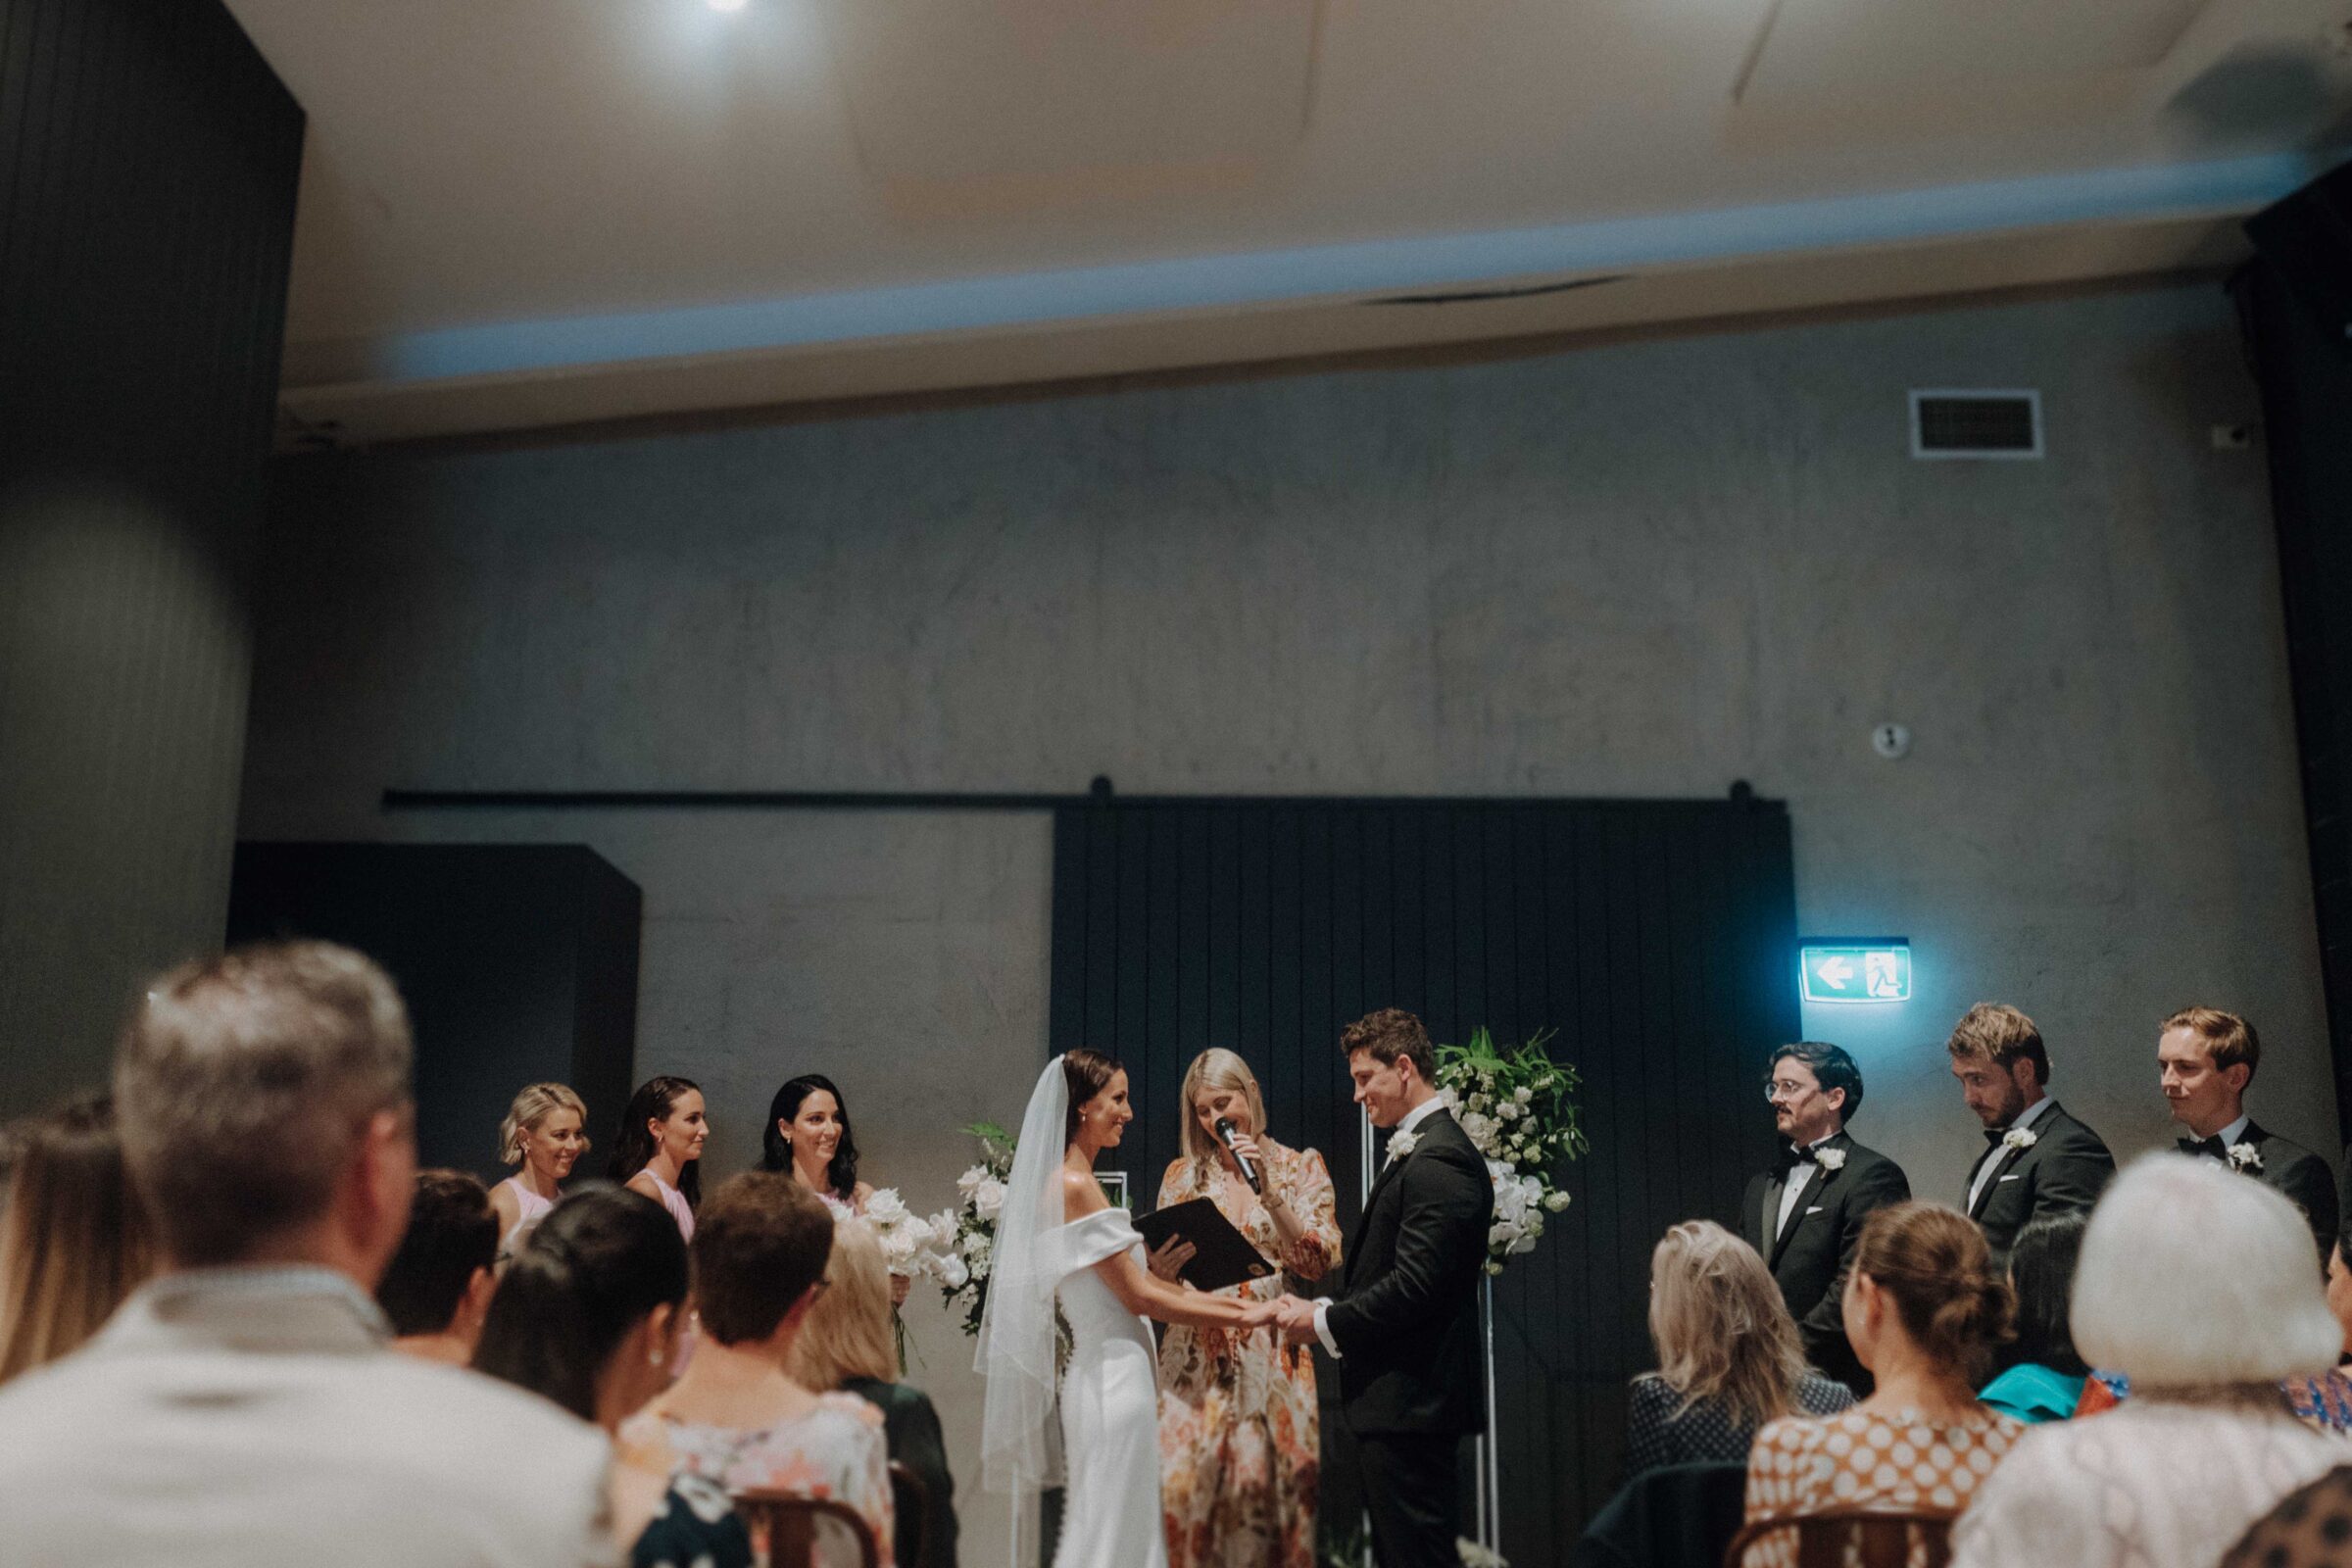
(1404, 1329)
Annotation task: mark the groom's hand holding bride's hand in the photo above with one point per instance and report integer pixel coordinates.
(1294, 1319)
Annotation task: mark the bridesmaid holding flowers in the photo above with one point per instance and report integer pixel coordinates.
(1238, 1434)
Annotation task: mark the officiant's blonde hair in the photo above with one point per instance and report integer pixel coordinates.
(1724, 1334)
(1219, 1068)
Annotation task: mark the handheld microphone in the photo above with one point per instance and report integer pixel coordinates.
(1249, 1166)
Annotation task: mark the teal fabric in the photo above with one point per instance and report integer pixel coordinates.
(2033, 1394)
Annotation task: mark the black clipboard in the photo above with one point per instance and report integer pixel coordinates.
(1221, 1255)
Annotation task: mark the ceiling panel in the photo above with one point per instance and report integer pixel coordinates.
(947, 90)
(1813, 47)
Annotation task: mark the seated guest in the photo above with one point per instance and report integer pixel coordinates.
(1727, 1356)
(2044, 1378)
(2038, 1159)
(1924, 1311)
(850, 1343)
(2205, 1061)
(735, 1416)
(589, 1315)
(543, 1134)
(242, 1407)
(72, 1238)
(437, 1285)
(2197, 1287)
(2324, 1400)
(1805, 1214)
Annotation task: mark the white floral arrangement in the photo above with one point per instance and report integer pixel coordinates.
(966, 1235)
(1831, 1160)
(2019, 1138)
(2245, 1157)
(1517, 1106)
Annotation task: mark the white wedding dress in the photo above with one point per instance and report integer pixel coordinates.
(1110, 1514)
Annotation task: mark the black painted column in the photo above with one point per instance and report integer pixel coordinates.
(148, 163)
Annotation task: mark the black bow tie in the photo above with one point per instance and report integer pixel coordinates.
(2213, 1147)
(1793, 1156)
(1993, 1135)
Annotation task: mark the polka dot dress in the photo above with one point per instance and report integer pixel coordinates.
(1898, 1462)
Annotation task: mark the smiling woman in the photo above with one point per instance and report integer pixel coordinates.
(660, 1150)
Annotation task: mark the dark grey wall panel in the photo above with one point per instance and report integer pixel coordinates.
(1658, 937)
(148, 162)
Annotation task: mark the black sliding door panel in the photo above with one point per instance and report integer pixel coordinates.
(1656, 939)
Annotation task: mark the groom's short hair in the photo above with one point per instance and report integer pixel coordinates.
(1388, 1034)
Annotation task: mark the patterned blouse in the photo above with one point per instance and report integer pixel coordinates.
(1656, 1435)
(696, 1526)
(1240, 1450)
(1899, 1463)
(836, 1451)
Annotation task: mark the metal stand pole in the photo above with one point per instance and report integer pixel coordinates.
(1489, 1441)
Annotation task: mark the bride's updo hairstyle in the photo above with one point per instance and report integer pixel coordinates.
(1931, 1262)
(1086, 1073)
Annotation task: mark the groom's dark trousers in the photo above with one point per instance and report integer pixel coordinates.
(1411, 1384)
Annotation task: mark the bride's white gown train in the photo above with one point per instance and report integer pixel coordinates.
(1109, 1405)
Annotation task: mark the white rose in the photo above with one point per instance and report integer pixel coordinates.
(1507, 1111)
(952, 1274)
(1481, 1131)
(1509, 1203)
(886, 1208)
(969, 1180)
(1557, 1202)
(1523, 1095)
(1478, 1101)
(987, 1198)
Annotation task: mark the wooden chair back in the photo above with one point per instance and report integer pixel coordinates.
(1857, 1537)
(784, 1527)
(911, 1500)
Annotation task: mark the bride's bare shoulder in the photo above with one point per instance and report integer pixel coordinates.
(1081, 1195)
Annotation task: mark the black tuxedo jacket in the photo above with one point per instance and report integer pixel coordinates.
(1809, 1260)
(1407, 1320)
(2066, 1168)
(2303, 1176)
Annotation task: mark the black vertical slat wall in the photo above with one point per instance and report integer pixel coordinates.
(1656, 937)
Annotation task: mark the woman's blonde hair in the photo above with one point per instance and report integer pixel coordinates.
(1723, 1333)
(73, 1239)
(848, 1331)
(1217, 1068)
(529, 1109)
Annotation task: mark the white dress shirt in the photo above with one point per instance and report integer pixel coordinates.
(1792, 1189)
(1405, 1124)
(1991, 1159)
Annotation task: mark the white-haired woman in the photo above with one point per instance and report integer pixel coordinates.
(2196, 1284)
(1238, 1448)
(545, 1134)
(1729, 1356)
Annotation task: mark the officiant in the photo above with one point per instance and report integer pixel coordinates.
(1240, 1440)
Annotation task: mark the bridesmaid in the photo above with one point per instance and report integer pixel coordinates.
(1238, 1439)
(808, 1135)
(545, 1134)
(660, 1150)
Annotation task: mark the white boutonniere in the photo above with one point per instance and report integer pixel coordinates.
(2018, 1138)
(1830, 1159)
(2245, 1156)
(1400, 1142)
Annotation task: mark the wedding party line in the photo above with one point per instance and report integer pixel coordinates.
(639, 1369)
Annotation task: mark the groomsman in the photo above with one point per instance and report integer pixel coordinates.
(2204, 1060)
(1805, 1214)
(2038, 1159)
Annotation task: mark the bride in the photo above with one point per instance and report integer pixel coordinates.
(1058, 1238)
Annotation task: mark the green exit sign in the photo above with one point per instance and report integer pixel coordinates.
(1855, 969)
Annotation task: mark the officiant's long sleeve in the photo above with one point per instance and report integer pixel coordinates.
(1441, 1240)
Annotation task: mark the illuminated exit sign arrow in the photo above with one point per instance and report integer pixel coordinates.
(1855, 969)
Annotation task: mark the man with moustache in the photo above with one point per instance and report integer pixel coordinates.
(2204, 1060)
(2038, 1159)
(1805, 1214)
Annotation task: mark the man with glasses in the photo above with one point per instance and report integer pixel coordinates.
(1805, 1214)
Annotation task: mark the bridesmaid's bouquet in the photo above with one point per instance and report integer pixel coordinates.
(1517, 1106)
(966, 1235)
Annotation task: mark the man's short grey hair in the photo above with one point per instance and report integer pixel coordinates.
(2193, 1275)
(243, 1086)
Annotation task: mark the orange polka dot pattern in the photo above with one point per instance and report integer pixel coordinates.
(1899, 1463)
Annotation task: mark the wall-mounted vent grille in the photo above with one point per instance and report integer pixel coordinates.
(1975, 424)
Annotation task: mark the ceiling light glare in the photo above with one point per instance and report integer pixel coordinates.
(727, 5)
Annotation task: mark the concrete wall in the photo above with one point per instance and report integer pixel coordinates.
(1640, 569)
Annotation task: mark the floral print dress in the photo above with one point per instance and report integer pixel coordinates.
(1239, 1439)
